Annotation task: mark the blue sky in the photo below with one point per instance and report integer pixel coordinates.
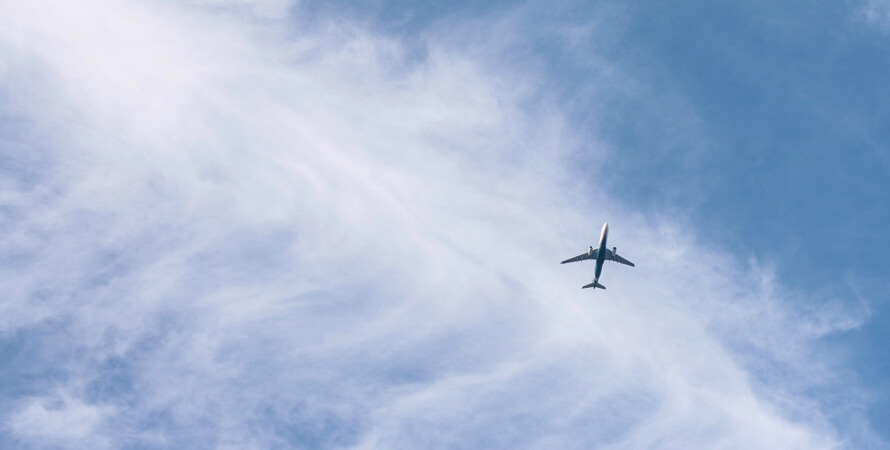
(239, 224)
(780, 147)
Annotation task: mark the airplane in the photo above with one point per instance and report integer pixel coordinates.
(600, 254)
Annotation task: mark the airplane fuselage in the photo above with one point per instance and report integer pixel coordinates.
(601, 253)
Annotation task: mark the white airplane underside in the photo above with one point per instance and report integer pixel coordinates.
(600, 255)
(610, 256)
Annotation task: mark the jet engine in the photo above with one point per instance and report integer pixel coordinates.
(589, 250)
(614, 250)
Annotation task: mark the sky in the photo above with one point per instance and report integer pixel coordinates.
(279, 224)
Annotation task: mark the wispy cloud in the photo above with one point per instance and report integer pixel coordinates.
(249, 235)
(876, 12)
(59, 420)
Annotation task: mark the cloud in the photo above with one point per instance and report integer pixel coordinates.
(251, 233)
(876, 12)
(59, 421)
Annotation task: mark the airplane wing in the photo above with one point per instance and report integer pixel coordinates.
(581, 257)
(613, 257)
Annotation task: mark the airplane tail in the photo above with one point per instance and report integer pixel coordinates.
(594, 285)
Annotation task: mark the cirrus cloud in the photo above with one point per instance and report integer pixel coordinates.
(240, 233)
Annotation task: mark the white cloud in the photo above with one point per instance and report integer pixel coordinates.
(60, 420)
(262, 9)
(876, 12)
(316, 239)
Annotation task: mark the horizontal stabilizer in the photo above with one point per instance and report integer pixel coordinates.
(594, 285)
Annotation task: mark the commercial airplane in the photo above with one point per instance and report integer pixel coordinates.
(600, 254)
